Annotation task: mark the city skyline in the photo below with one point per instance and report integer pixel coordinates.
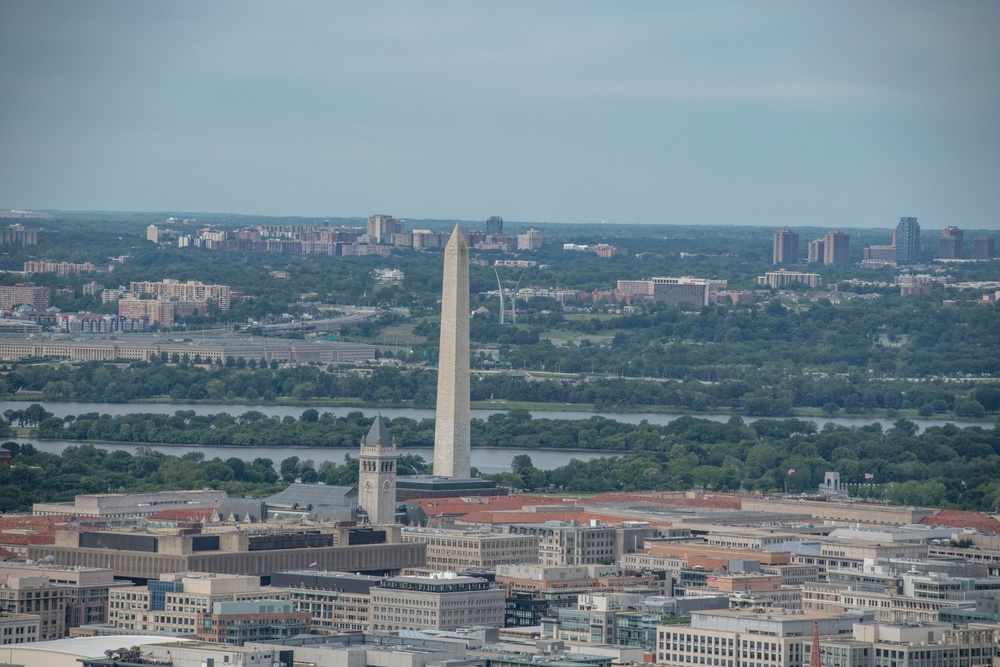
(844, 115)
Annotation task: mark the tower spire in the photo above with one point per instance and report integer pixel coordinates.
(814, 655)
(377, 474)
(452, 438)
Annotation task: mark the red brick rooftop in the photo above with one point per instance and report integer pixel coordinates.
(584, 518)
(729, 501)
(980, 521)
(459, 506)
(40, 529)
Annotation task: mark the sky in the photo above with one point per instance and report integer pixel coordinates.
(831, 114)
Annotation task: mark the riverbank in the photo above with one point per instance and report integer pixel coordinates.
(68, 408)
(812, 414)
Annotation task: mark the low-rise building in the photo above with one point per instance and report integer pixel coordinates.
(443, 601)
(459, 550)
(571, 543)
(86, 588)
(735, 638)
(19, 628)
(179, 603)
(34, 594)
(560, 585)
(882, 645)
(336, 601)
(126, 505)
(239, 622)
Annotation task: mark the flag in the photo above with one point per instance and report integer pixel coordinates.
(314, 563)
(791, 471)
(869, 475)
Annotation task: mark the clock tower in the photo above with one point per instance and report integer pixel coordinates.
(377, 475)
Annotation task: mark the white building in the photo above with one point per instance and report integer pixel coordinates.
(443, 601)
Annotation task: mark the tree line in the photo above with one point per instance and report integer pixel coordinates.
(941, 466)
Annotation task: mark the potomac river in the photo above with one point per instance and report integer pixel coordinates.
(488, 460)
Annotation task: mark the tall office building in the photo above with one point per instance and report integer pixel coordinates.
(452, 437)
(377, 474)
(494, 225)
(907, 241)
(952, 243)
(982, 247)
(786, 247)
(815, 251)
(836, 246)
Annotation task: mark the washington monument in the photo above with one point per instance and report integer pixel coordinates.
(451, 430)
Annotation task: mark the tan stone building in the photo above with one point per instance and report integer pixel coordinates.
(36, 595)
(458, 550)
(145, 555)
(336, 601)
(735, 638)
(177, 603)
(86, 589)
(855, 513)
(442, 601)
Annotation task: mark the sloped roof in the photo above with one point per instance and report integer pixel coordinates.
(317, 495)
(378, 434)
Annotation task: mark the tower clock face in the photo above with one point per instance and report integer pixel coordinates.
(368, 484)
(387, 485)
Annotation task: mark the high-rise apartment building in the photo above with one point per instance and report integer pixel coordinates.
(530, 240)
(192, 290)
(382, 227)
(836, 247)
(907, 240)
(982, 247)
(815, 254)
(952, 243)
(786, 247)
(675, 291)
(783, 278)
(39, 298)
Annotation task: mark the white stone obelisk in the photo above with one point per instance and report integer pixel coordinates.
(451, 431)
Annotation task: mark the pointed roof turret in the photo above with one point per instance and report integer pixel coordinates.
(378, 435)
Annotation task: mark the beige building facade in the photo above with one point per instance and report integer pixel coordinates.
(442, 601)
(458, 550)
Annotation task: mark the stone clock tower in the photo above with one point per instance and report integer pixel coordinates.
(377, 475)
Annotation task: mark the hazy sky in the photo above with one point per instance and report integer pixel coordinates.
(773, 113)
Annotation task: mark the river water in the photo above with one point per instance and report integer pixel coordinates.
(488, 460)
